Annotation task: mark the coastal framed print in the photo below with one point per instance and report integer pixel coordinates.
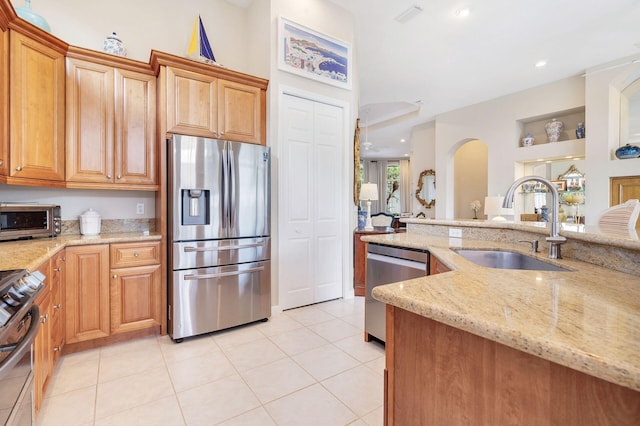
(313, 55)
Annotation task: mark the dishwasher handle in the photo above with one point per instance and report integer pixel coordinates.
(397, 261)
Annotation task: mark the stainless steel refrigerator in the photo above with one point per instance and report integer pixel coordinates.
(219, 233)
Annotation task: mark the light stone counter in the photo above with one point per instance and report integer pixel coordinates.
(29, 254)
(587, 319)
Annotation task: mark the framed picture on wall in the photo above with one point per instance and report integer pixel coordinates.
(313, 55)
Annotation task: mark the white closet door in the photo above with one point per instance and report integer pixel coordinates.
(310, 248)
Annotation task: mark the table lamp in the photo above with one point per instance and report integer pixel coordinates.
(493, 207)
(368, 193)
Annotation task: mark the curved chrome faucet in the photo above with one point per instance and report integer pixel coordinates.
(554, 239)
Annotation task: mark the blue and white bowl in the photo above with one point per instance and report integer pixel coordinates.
(628, 151)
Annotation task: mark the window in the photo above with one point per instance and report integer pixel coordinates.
(392, 190)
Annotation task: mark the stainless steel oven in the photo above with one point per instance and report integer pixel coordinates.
(19, 321)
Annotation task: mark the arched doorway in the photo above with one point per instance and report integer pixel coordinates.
(470, 165)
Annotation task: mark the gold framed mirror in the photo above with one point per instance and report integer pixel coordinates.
(426, 192)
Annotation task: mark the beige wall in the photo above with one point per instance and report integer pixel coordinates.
(470, 178)
(422, 143)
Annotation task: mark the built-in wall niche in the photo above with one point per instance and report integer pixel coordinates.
(567, 145)
(535, 126)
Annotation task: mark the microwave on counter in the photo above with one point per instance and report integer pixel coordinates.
(29, 220)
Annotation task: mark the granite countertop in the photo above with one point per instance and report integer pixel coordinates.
(587, 318)
(29, 254)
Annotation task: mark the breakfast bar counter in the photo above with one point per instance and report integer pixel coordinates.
(587, 318)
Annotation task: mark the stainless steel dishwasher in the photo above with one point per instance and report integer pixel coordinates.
(385, 265)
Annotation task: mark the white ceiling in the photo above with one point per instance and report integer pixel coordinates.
(448, 62)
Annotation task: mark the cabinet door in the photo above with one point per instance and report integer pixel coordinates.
(191, 103)
(37, 110)
(135, 118)
(57, 280)
(89, 122)
(239, 112)
(4, 102)
(42, 354)
(87, 292)
(135, 298)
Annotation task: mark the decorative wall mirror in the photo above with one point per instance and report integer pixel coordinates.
(630, 114)
(426, 192)
(574, 179)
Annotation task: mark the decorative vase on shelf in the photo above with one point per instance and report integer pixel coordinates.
(528, 140)
(553, 129)
(113, 44)
(580, 132)
(628, 151)
(27, 14)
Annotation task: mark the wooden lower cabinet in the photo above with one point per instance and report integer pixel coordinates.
(57, 304)
(436, 375)
(112, 289)
(135, 298)
(87, 292)
(436, 266)
(42, 349)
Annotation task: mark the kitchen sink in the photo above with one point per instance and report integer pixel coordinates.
(505, 259)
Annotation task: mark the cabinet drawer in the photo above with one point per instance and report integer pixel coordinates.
(124, 255)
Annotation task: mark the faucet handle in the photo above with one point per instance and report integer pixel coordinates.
(534, 245)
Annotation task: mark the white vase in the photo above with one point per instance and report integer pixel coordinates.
(113, 45)
(553, 129)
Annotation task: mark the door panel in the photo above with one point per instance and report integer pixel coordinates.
(310, 187)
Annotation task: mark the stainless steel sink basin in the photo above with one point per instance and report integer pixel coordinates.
(505, 259)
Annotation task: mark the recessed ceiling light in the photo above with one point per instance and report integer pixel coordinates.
(541, 64)
(403, 140)
(406, 155)
(463, 12)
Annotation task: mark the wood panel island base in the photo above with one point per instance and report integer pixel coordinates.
(439, 375)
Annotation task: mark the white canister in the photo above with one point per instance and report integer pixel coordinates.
(90, 222)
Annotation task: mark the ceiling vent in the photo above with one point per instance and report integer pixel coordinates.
(409, 14)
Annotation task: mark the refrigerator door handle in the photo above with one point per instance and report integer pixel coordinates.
(192, 277)
(225, 190)
(197, 249)
(232, 187)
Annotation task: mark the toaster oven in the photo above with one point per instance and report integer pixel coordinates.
(29, 220)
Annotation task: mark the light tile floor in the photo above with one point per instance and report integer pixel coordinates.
(306, 366)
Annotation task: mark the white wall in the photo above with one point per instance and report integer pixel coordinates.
(328, 18)
(495, 122)
(602, 123)
(163, 25)
(110, 204)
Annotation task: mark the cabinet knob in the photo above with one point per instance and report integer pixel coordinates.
(114, 276)
(119, 177)
(19, 168)
(62, 259)
(58, 306)
(1, 163)
(44, 318)
(108, 176)
(221, 133)
(136, 254)
(56, 349)
(56, 269)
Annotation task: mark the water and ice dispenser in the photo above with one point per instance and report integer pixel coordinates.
(195, 207)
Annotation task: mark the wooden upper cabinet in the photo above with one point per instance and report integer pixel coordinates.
(4, 102)
(36, 110)
(239, 112)
(203, 100)
(111, 117)
(192, 103)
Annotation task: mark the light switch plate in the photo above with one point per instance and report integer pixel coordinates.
(455, 233)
